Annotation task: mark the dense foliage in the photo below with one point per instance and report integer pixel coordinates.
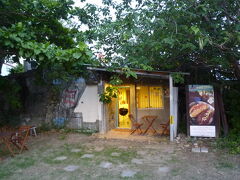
(111, 91)
(10, 100)
(232, 104)
(172, 35)
(17, 69)
(41, 31)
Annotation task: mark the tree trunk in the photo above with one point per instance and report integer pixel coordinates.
(1, 63)
(236, 66)
(221, 111)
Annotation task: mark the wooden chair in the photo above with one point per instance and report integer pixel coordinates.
(149, 122)
(20, 138)
(165, 127)
(135, 125)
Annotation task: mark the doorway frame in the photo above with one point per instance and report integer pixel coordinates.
(117, 106)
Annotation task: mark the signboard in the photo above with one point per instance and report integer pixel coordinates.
(201, 110)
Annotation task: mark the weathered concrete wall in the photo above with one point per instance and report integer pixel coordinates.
(38, 102)
(74, 106)
(64, 110)
(78, 107)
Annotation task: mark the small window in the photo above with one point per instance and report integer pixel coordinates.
(150, 97)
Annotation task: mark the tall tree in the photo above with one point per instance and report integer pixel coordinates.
(173, 35)
(43, 31)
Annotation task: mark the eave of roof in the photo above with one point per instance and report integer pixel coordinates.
(147, 73)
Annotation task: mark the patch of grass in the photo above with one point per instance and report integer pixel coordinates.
(173, 159)
(60, 151)
(193, 178)
(14, 164)
(65, 150)
(77, 154)
(225, 165)
(125, 156)
(87, 132)
(175, 171)
(231, 143)
(5, 171)
(51, 158)
(138, 176)
(62, 137)
(4, 153)
(24, 163)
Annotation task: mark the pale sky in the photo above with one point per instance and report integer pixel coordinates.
(4, 70)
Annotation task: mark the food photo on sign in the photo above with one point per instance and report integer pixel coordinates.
(201, 105)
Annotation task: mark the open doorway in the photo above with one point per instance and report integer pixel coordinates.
(124, 107)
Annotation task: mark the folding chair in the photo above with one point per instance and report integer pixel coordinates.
(149, 121)
(165, 127)
(135, 125)
(20, 138)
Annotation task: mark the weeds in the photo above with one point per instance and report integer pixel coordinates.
(24, 162)
(15, 164)
(44, 127)
(173, 159)
(231, 143)
(62, 137)
(175, 171)
(87, 132)
(225, 165)
(124, 156)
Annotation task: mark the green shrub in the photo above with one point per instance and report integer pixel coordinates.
(10, 101)
(232, 107)
(231, 142)
(45, 127)
(18, 69)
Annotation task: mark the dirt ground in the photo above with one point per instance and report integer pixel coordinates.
(72, 156)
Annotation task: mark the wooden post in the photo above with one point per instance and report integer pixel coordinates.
(187, 109)
(102, 110)
(221, 112)
(171, 108)
(217, 112)
(133, 101)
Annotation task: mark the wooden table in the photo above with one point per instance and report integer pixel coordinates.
(5, 138)
(149, 120)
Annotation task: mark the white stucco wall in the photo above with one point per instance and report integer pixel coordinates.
(88, 104)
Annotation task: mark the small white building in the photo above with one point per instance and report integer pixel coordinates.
(152, 94)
